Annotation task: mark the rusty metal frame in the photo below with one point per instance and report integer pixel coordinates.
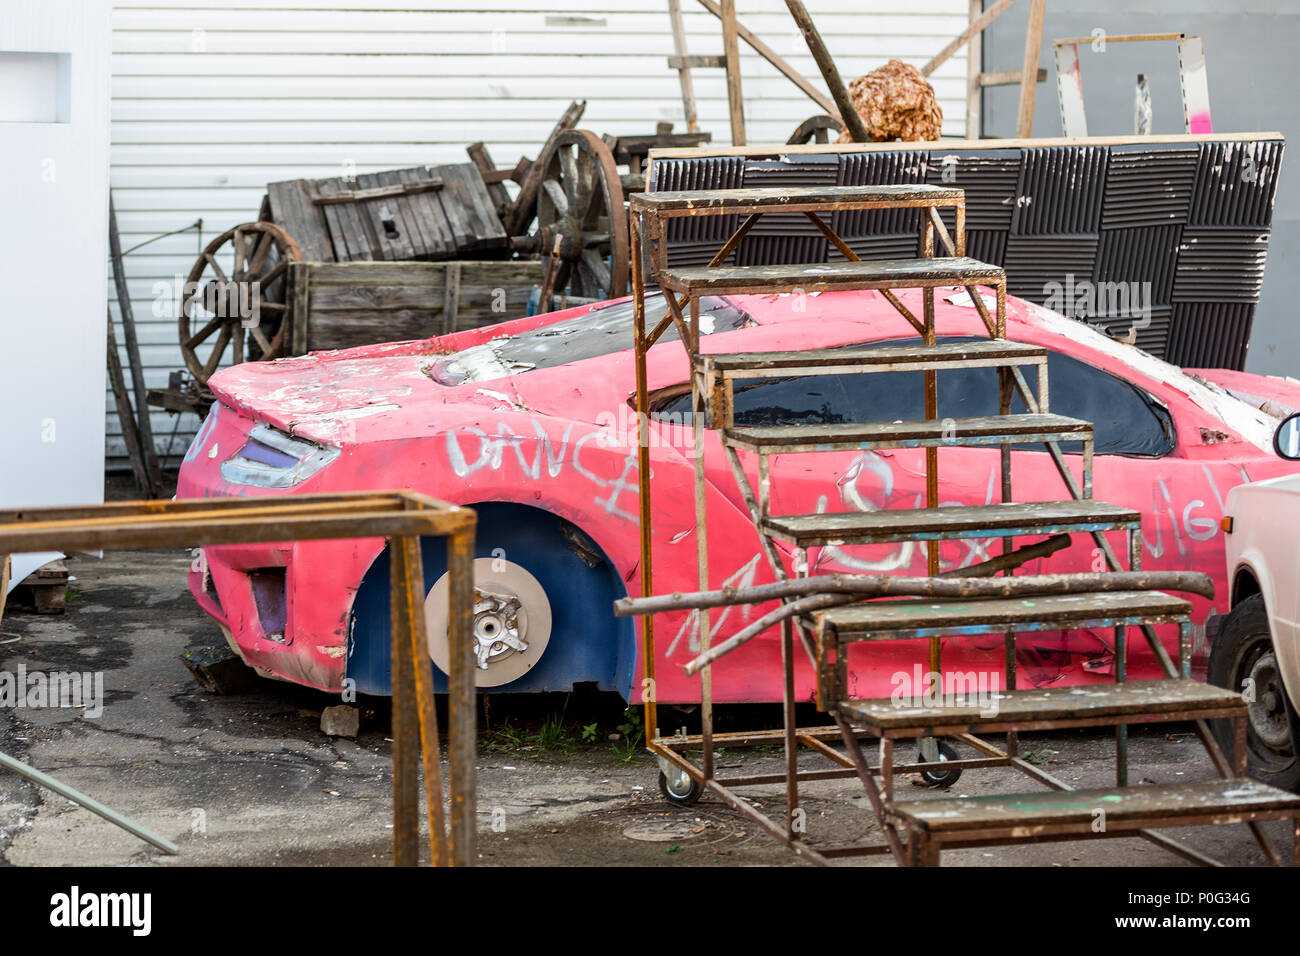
(402, 516)
(650, 215)
(711, 387)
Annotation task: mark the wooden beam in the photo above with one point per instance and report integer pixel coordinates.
(1029, 71)
(852, 121)
(1007, 77)
(681, 63)
(731, 51)
(974, 67)
(767, 53)
(153, 469)
(773, 151)
(683, 71)
(126, 418)
(973, 31)
(1120, 38)
(4, 583)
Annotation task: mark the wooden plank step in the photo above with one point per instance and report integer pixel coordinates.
(1020, 814)
(993, 353)
(1012, 519)
(830, 276)
(899, 620)
(989, 430)
(794, 199)
(1039, 708)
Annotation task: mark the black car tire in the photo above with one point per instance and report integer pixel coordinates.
(1244, 650)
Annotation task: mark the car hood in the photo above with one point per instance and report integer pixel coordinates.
(385, 392)
(325, 395)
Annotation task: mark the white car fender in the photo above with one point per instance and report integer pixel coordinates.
(1264, 541)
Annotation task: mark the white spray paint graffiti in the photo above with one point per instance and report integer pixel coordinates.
(902, 555)
(742, 578)
(491, 455)
(852, 497)
(1188, 525)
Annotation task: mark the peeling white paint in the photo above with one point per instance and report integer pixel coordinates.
(1252, 424)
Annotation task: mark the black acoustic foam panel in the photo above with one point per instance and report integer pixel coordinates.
(1183, 226)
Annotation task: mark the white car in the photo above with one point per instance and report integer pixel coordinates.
(1257, 649)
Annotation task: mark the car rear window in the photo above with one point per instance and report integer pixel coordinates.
(601, 331)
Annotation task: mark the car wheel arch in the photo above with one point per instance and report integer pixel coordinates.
(1245, 583)
(605, 652)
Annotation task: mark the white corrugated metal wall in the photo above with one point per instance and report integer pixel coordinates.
(212, 99)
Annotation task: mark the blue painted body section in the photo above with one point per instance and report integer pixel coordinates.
(587, 642)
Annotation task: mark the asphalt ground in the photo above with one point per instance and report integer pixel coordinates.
(250, 779)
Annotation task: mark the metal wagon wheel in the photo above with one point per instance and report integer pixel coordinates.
(234, 291)
(580, 206)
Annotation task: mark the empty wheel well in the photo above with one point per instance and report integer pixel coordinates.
(1244, 585)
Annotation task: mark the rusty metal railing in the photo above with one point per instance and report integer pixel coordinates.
(400, 515)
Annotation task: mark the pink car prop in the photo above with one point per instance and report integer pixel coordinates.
(531, 423)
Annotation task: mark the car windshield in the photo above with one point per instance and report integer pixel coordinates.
(1126, 419)
(601, 331)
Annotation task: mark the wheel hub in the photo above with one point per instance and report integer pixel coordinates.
(1267, 712)
(510, 626)
(568, 231)
(227, 300)
(498, 632)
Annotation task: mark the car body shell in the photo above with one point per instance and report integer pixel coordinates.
(562, 441)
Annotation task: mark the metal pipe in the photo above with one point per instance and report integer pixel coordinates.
(405, 721)
(947, 584)
(94, 806)
(462, 701)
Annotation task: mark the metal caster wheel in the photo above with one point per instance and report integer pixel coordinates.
(681, 791)
(941, 778)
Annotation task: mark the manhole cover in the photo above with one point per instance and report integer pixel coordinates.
(663, 831)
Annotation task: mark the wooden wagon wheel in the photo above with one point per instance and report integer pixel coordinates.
(580, 206)
(237, 287)
(815, 129)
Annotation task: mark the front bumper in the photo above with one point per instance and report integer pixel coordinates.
(286, 606)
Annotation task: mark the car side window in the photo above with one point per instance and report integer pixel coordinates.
(1127, 420)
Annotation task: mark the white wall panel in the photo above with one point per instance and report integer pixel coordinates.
(212, 99)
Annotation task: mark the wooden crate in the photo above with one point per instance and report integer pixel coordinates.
(346, 304)
(425, 212)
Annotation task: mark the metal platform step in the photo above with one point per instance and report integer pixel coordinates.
(994, 353)
(830, 276)
(997, 819)
(989, 430)
(896, 620)
(1039, 708)
(1011, 519)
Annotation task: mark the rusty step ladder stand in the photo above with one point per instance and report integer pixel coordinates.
(916, 831)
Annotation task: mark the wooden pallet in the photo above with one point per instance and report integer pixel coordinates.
(44, 591)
